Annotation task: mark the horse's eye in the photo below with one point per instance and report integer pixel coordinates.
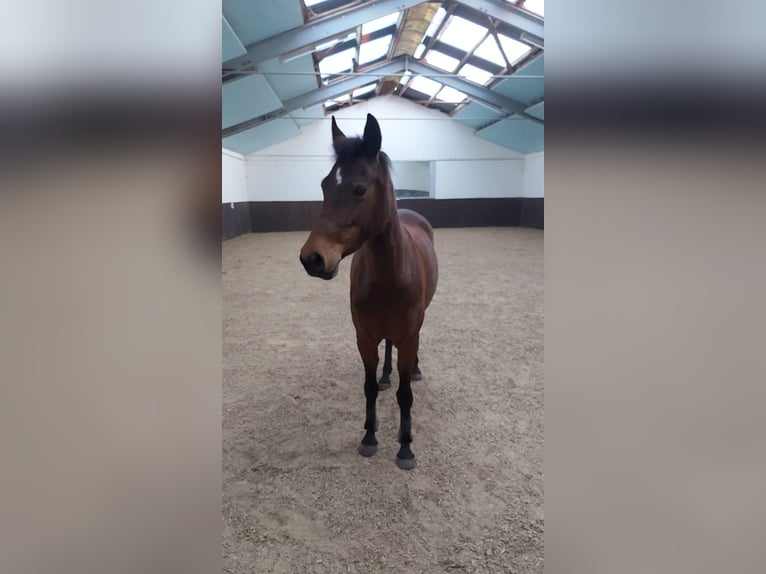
(360, 190)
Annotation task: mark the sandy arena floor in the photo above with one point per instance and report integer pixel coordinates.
(296, 495)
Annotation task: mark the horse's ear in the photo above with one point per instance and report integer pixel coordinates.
(337, 135)
(372, 137)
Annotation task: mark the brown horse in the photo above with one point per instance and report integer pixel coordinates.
(393, 272)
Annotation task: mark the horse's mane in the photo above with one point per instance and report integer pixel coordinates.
(351, 149)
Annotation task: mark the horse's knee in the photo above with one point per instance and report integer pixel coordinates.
(404, 395)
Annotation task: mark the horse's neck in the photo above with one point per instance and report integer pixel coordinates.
(390, 247)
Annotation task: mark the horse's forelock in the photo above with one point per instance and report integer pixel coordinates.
(349, 150)
(352, 149)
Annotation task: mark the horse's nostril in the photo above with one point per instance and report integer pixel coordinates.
(314, 264)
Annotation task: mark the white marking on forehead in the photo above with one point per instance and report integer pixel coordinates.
(338, 176)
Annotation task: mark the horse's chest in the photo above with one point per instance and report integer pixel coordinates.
(385, 295)
(386, 303)
(381, 306)
(385, 307)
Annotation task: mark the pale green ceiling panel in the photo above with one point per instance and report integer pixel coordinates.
(527, 91)
(525, 136)
(476, 115)
(262, 136)
(300, 80)
(231, 47)
(538, 110)
(247, 98)
(309, 116)
(254, 20)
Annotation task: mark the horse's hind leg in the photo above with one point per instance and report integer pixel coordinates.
(385, 379)
(405, 458)
(369, 353)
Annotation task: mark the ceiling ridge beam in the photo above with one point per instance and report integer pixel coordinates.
(318, 95)
(518, 19)
(315, 32)
(475, 91)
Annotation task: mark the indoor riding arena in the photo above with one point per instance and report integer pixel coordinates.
(446, 99)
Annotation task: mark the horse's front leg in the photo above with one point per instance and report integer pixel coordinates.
(416, 374)
(405, 458)
(369, 352)
(385, 379)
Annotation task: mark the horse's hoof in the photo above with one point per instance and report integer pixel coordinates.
(384, 384)
(417, 376)
(405, 463)
(368, 449)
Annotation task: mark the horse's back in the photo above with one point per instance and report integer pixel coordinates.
(414, 220)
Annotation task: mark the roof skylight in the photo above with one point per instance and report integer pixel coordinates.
(336, 63)
(364, 90)
(462, 33)
(489, 51)
(450, 95)
(536, 6)
(380, 23)
(441, 60)
(436, 22)
(323, 6)
(425, 85)
(456, 39)
(475, 74)
(514, 50)
(339, 101)
(374, 49)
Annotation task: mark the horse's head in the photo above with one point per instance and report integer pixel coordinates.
(358, 201)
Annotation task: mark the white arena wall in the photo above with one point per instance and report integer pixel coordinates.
(292, 170)
(429, 152)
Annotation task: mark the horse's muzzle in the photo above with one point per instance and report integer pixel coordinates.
(315, 266)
